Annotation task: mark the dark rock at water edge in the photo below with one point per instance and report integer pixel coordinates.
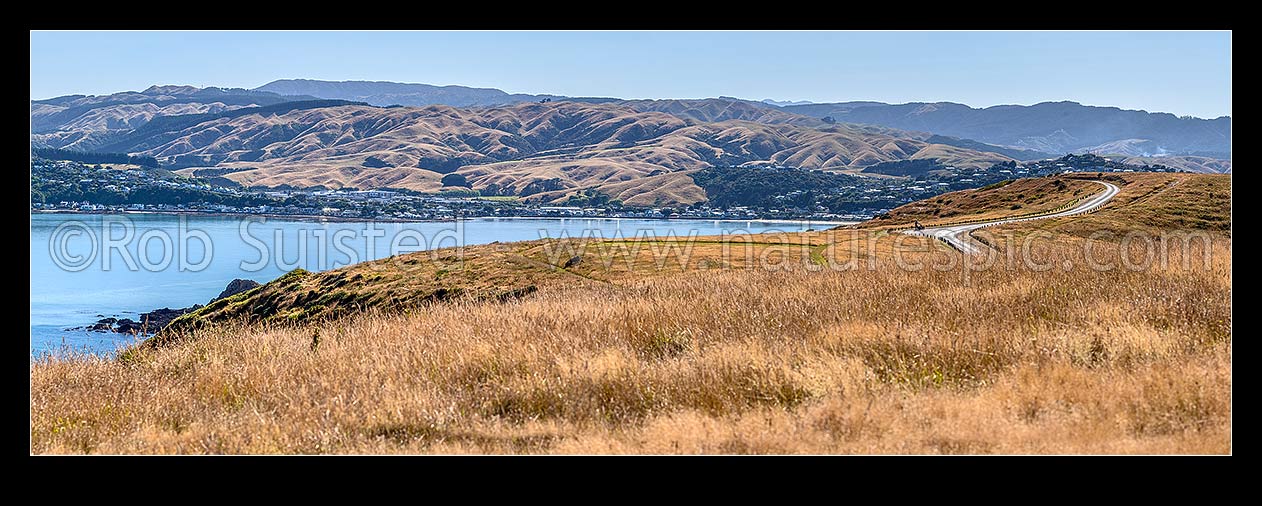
(153, 321)
(125, 326)
(149, 323)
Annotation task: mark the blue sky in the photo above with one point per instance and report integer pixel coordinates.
(1185, 73)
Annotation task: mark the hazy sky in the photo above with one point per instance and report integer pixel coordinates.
(1185, 73)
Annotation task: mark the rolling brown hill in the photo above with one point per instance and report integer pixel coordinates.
(85, 122)
(100, 125)
(638, 151)
(525, 149)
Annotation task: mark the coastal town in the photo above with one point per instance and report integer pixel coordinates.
(70, 186)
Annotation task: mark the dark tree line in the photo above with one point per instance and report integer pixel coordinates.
(744, 186)
(94, 158)
(144, 195)
(906, 167)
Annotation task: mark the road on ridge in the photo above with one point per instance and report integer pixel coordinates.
(957, 235)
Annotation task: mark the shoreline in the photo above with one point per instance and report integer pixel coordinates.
(80, 326)
(620, 218)
(294, 217)
(344, 219)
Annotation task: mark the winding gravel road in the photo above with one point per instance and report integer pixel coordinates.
(957, 235)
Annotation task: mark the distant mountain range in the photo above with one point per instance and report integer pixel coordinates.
(83, 122)
(1049, 127)
(779, 103)
(1053, 127)
(386, 93)
(377, 134)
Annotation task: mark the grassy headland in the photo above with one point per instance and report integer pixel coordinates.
(819, 342)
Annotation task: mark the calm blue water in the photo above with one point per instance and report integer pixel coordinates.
(86, 266)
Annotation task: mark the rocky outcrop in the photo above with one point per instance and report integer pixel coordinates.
(148, 323)
(153, 321)
(237, 286)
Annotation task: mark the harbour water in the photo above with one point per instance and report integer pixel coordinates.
(88, 266)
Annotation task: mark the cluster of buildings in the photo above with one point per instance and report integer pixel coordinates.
(1087, 163)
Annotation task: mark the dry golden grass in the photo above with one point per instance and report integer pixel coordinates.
(1021, 196)
(1157, 201)
(502, 271)
(729, 361)
(840, 341)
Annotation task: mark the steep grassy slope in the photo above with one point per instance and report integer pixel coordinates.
(496, 272)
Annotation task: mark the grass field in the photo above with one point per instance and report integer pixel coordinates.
(820, 342)
(1014, 197)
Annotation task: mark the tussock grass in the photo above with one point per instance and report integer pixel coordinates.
(796, 360)
(820, 342)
